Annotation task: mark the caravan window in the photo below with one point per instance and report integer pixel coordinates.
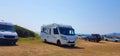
(66, 31)
(42, 30)
(49, 31)
(55, 31)
(45, 30)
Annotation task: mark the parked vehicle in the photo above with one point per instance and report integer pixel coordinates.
(79, 36)
(58, 34)
(8, 33)
(93, 38)
(112, 38)
(82, 37)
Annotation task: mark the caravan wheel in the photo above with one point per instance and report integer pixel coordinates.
(45, 41)
(58, 43)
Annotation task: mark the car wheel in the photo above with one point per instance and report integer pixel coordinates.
(98, 41)
(72, 46)
(12, 43)
(116, 41)
(106, 40)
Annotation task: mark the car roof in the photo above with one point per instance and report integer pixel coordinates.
(6, 23)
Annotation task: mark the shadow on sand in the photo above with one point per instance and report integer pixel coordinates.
(102, 42)
(6, 44)
(67, 47)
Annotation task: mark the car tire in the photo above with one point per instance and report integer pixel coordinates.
(106, 39)
(72, 46)
(12, 43)
(98, 41)
(116, 41)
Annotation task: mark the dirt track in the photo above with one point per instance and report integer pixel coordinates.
(82, 48)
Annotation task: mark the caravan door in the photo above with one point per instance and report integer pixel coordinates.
(49, 37)
(55, 35)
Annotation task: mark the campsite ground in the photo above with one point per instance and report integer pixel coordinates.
(28, 47)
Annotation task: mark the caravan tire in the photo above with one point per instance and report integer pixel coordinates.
(58, 43)
(45, 41)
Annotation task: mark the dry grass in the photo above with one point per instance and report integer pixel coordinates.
(82, 48)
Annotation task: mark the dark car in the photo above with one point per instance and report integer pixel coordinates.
(94, 38)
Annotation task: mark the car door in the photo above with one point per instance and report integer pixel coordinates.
(111, 39)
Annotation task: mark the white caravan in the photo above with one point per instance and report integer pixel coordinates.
(58, 34)
(8, 33)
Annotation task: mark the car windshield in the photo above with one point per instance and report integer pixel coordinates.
(96, 36)
(66, 31)
(7, 28)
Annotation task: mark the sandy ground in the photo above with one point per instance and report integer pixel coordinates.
(83, 48)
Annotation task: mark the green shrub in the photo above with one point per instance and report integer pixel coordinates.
(23, 32)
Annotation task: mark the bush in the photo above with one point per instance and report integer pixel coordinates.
(23, 32)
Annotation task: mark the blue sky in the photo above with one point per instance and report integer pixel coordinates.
(86, 16)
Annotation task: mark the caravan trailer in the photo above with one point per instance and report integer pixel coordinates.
(58, 34)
